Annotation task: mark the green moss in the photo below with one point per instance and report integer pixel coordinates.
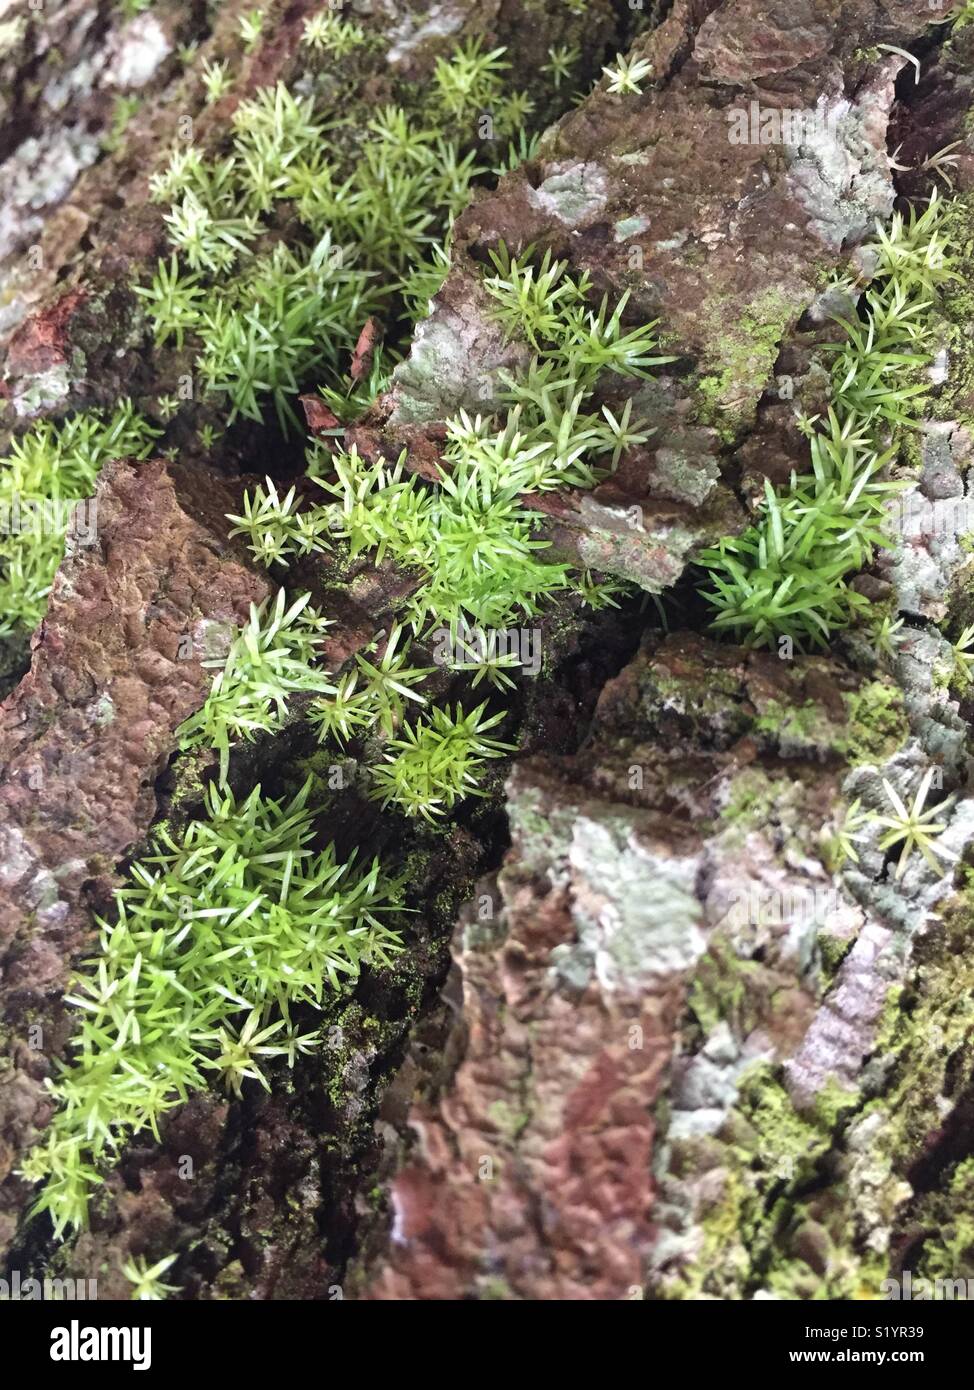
(875, 727)
(927, 1031)
(833, 951)
(787, 575)
(765, 1154)
(947, 1218)
(719, 1268)
(834, 1104)
(49, 467)
(955, 399)
(495, 1289)
(926, 1043)
(878, 725)
(710, 392)
(846, 1275)
(753, 798)
(910, 452)
(745, 347)
(719, 992)
(509, 1121)
(796, 724)
(179, 937)
(779, 1138)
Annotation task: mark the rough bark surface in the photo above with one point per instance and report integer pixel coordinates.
(116, 667)
(623, 1086)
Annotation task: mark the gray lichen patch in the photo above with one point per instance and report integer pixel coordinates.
(573, 193)
(930, 519)
(686, 473)
(628, 227)
(877, 1193)
(633, 889)
(136, 52)
(706, 1085)
(40, 173)
(454, 361)
(652, 551)
(839, 173)
(16, 856)
(410, 33)
(42, 392)
(636, 908)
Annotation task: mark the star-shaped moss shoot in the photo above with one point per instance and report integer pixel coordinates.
(963, 656)
(147, 1282)
(628, 74)
(914, 827)
(840, 845)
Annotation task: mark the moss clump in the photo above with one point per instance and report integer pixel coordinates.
(772, 1224)
(797, 726)
(765, 1154)
(834, 1104)
(754, 799)
(746, 346)
(878, 725)
(49, 469)
(218, 935)
(955, 399)
(776, 1138)
(927, 1033)
(375, 192)
(947, 1217)
(786, 576)
(875, 727)
(832, 952)
(720, 991)
(509, 1122)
